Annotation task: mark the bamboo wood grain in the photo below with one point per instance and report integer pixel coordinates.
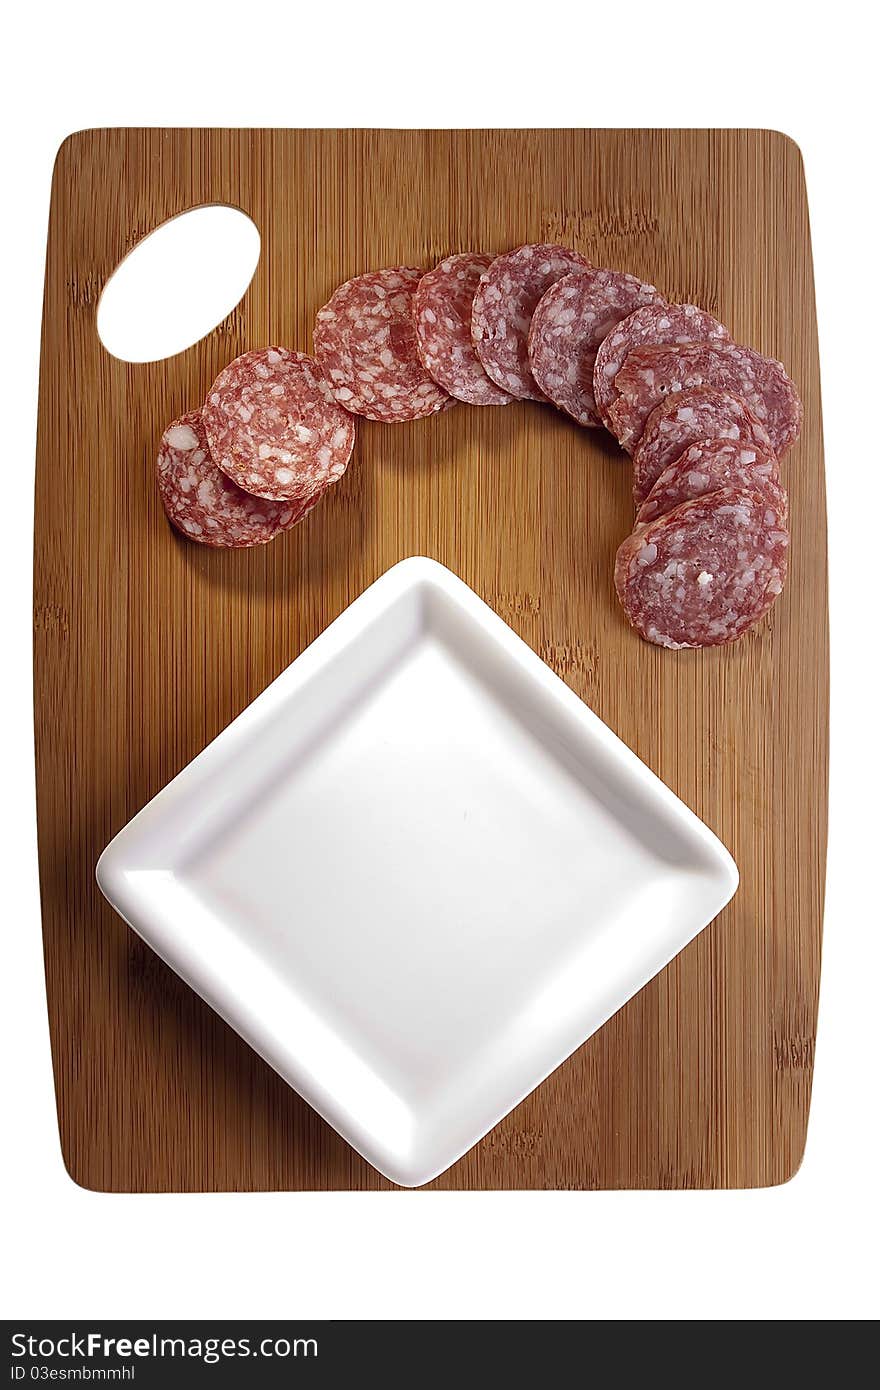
(146, 646)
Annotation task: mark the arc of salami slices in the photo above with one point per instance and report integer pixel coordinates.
(686, 418)
(714, 464)
(273, 426)
(705, 573)
(503, 306)
(649, 374)
(655, 323)
(442, 311)
(206, 506)
(365, 341)
(571, 321)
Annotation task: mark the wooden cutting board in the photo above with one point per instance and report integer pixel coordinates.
(146, 646)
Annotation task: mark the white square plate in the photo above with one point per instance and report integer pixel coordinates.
(417, 872)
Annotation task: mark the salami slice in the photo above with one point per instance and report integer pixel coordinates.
(443, 303)
(502, 311)
(685, 418)
(365, 340)
(655, 323)
(273, 426)
(203, 503)
(649, 374)
(571, 320)
(714, 464)
(705, 573)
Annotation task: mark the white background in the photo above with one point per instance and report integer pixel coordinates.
(805, 1250)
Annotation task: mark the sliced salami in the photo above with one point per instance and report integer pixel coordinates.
(649, 374)
(705, 573)
(203, 503)
(503, 305)
(444, 300)
(365, 340)
(714, 464)
(273, 426)
(655, 323)
(571, 321)
(685, 418)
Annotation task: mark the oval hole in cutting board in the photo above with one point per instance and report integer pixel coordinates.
(178, 283)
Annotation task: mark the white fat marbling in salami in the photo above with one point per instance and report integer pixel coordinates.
(205, 505)
(442, 314)
(686, 418)
(273, 426)
(365, 341)
(650, 374)
(503, 306)
(655, 323)
(705, 573)
(714, 464)
(571, 321)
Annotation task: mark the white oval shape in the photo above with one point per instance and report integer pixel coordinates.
(178, 283)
